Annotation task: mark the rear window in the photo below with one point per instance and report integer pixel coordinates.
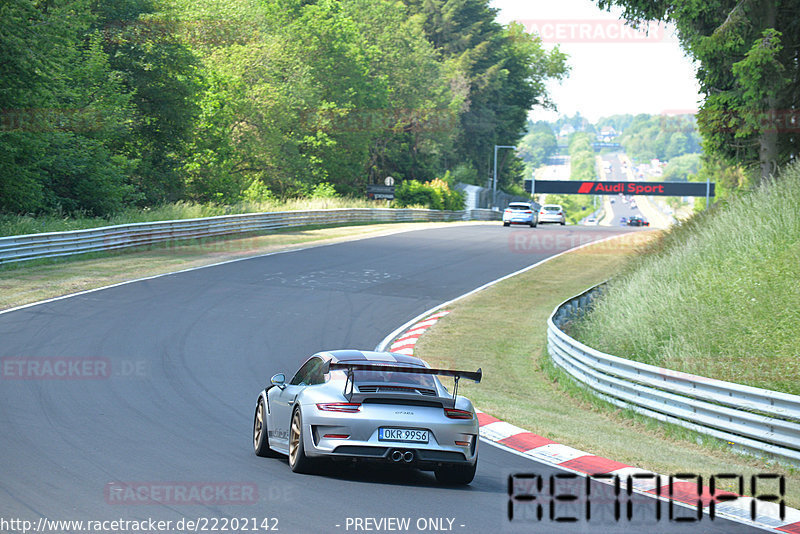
(552, 208)
(519, 207)
(391, 378)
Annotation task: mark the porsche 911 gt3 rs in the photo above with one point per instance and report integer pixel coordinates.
(369, 406)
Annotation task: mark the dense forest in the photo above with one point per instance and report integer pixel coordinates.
(139, 102)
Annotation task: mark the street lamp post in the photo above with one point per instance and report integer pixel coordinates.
(494, 179)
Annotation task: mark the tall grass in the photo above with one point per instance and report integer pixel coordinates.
(27, 224)
(718, 296)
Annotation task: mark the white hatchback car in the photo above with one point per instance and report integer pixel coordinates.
(552, 213)
(521, 213)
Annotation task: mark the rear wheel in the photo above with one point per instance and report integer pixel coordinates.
(456, 474)
(261, 432)
(533, 224)
(506, 224)
(298, 461)
(563, 223)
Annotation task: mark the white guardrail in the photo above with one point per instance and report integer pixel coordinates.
(48, 245)
(754, 419)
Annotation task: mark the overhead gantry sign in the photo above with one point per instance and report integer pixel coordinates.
(579, 187)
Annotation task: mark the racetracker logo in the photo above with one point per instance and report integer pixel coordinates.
(540, 241)
(594, 31)
(178, 493)
(57, 368)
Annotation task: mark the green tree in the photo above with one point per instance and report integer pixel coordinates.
(539, 143)
(502, 70)
(682, 168)
(660, 136)
(161, 73)
(748, 72)
(582, 157)
(64, 112)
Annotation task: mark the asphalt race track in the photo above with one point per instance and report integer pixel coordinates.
(161, 408)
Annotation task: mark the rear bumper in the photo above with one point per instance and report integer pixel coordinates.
(550, 218)
(323, 433)
(425, 459)
(518, 220)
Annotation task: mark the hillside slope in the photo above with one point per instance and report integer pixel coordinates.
(718, 296)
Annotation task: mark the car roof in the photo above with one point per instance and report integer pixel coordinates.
(372, 356)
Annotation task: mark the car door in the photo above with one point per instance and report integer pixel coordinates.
(281, 402)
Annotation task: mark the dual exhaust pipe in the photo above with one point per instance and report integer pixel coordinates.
(398, 456)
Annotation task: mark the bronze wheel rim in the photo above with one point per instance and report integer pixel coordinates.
(294, 439)
(258, 424)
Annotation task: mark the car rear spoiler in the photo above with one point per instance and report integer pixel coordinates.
(350, 367)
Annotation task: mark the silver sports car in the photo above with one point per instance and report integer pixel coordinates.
(378, 406)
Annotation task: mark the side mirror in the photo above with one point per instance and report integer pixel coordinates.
(278, 380)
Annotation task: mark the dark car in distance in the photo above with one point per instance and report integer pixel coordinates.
(635, 220)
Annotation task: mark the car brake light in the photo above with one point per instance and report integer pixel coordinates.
(529, 212)
(452, 413)
(349, 407)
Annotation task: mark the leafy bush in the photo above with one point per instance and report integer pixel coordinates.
(258, 192)
(435, 194)
(324, 190)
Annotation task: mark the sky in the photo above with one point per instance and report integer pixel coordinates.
(614, 69)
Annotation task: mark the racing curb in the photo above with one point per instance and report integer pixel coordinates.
(546, 451)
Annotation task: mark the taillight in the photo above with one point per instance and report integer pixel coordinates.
(528, 212)
(452, 413)
(349, 407)
(542, 212)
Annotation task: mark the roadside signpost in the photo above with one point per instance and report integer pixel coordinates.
(376, 191)
(494, 177)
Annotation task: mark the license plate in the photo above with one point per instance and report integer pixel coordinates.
(403, 434)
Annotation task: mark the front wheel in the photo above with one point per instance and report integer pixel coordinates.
(298, 461)
(461, 474)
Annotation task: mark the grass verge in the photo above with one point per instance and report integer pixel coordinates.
(719, 297)
(23, 283)
(502, 329)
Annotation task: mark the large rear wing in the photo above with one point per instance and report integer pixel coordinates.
(350, 367)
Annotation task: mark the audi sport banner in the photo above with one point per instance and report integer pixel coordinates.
(578, 187)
